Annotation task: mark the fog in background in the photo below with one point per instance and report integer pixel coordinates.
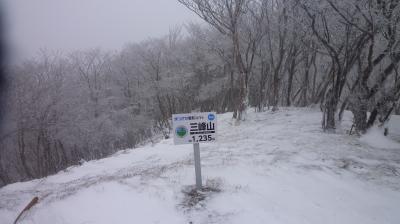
(68, 25)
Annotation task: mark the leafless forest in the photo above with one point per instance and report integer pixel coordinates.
(253, 54)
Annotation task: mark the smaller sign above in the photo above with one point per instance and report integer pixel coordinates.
(194, 128)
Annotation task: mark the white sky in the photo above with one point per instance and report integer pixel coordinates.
(68, 25)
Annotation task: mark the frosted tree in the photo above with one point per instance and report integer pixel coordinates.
(227, 17)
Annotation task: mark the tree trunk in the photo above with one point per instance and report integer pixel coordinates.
(275, 96)
(328, 122)
(243, 97)
(21, 147)
(290, 82)
(304, 92)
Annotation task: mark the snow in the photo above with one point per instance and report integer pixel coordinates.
(96, 205)
(375, 138)
(272, 168)
(394, 127)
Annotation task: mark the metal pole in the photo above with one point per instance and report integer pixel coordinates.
(197, 165)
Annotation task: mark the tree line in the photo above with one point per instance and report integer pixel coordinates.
(341, 55)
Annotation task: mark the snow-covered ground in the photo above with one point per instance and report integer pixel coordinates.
(394, 127)
(272, 168)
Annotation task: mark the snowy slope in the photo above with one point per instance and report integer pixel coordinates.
(394, 127)
(272, 168)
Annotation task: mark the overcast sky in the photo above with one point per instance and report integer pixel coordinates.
(79, 24)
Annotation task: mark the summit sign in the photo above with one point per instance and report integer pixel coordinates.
(194, 128)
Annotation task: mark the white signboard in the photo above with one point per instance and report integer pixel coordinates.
(194, 127)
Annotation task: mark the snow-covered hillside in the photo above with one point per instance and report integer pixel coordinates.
(272, 168)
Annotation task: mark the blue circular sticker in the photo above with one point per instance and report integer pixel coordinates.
(181, 131)
(211, 117)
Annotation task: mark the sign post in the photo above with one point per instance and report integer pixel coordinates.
(195, 128)
(197, 165)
